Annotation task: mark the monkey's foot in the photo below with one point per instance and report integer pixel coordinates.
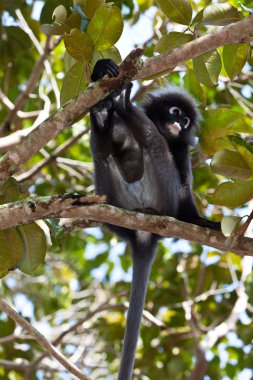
(104, 67)
(121, 98)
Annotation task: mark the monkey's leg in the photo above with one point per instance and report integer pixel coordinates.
(101, 114)
(188, 212)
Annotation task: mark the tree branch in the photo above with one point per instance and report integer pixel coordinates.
(78, 206)
(234, 33)
(80, 105)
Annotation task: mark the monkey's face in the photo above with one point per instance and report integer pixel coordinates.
(177, 121)
(175, 114)
(175, 124)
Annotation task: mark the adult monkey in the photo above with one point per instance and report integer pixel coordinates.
(142, 163)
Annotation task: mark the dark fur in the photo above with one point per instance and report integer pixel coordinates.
(141, 165)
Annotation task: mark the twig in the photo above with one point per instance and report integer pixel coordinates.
(41, 340)
(245, 226)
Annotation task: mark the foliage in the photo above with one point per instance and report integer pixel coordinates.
(194, 291)
(22, 247)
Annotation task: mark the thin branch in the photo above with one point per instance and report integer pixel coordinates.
(58, 151)
(30, 86)
(36, 42)
(77, 206)
(41, 340)
(239, 308)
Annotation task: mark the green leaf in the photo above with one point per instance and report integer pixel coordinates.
(74, 82)
(89, 6)
(234, 58)
(207, 68)
(230, 164)
(217, 124)
(144, 4)
(105, 27)
(172, 41)
(245, 149)
(11, 250)
(35, 247)
(179, 11)
(9, 191)
(192, 85)
(218, 14)
(69, 61)
(250, 57)
(232, 194)
(229, 224)
(79, 45)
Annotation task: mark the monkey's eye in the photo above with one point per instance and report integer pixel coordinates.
(174, 111)
(186, 121)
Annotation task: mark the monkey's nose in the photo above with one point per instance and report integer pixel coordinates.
(174, 128)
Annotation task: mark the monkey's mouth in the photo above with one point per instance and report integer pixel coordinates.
(174, 128)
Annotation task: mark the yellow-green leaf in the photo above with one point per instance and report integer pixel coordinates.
(60, 14)
(245, 149)
(35, 247)
(230, 164)
(232, 194)
(11, 250)
(179, 11)
(9, 191)
(218, 14)
(74, 82)
(234, 58)
(89, 6)
(105, 27)
(229, 225)
(172, 41)
(207, 68)
(192, 85)
(217, 124)
(79, 45)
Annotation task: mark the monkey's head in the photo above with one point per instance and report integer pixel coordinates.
(175, 113)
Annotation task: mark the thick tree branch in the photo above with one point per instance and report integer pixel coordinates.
(80, 105)
(77, 206)
(233, 33)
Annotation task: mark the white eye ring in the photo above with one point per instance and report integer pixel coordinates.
(175, 111)
(186, 122)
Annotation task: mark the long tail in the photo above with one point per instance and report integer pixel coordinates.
(143, 252)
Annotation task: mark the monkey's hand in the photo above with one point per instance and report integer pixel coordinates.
(104, 67)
